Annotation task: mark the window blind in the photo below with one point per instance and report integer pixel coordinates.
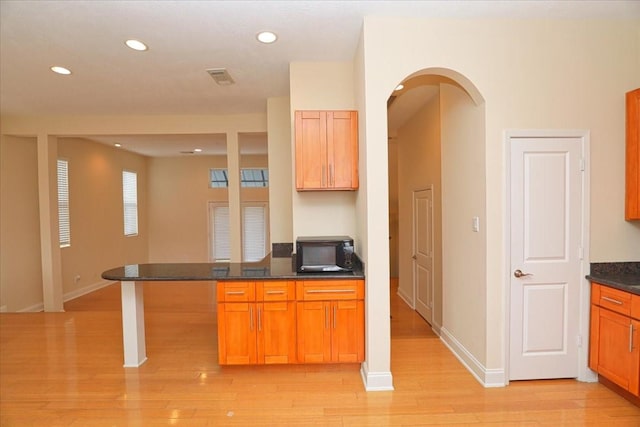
(221, 243)
(254, 232)
(130, 198)
(64, 220)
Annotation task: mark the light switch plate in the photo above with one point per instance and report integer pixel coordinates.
(475, 224)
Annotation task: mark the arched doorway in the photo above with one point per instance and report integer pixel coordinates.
(436, 151)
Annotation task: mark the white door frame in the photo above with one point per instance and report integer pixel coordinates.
(584, 373)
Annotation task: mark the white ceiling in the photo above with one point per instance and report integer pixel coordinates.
(187, 37)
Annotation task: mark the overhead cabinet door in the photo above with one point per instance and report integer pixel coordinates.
(326, 150)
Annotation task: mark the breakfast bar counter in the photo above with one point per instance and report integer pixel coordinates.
(132, 276)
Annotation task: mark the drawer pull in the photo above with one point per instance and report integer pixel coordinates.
(275, 292)
(611, 300)
(331, 291)
(235, 292)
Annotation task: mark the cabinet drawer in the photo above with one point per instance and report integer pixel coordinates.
(236, 291)
(275, 291)
(323, 290)
(615, 300)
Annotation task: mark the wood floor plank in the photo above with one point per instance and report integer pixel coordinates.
(65, 369)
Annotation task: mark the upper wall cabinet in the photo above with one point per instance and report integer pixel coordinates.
(632, 200)
(326, 150)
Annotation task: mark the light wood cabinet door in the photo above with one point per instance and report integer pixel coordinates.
(314, 334)
(347, 331)
(615, 351)
(330, 321)
(276, 332)
(326, 150)
(256, 322)
(236, 333)
(632, 199)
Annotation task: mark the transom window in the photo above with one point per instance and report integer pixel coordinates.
(249, 178)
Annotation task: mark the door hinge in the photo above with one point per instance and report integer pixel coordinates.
(580, 253)
(582, 165)
(579, 341)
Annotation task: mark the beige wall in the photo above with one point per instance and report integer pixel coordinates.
(179, 195)
(28, 294)
(98, 242)
(532, 75)
(280, 169)
(419, 158)
(463, 197)
(20, 265)
(322, 86)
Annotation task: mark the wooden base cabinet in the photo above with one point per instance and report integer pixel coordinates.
(256, 322)
(330, 321)
(615, 337)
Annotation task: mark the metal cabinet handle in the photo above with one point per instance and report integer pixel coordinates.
(631, 338)
(326, 317)
(519, 274)
(275, 292)
(330, 291)
(332, 179)
(334, 316)
(251, 318)
(611, 300)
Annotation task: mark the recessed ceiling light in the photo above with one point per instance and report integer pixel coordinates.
(61, 70)
(400, 87)
(136, 45)
(267, 37)
(117, 145)
(197, 150)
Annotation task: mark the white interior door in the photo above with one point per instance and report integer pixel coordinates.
(546, 195)
(423, 252)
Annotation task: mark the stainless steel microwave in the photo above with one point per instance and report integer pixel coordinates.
(321, 254)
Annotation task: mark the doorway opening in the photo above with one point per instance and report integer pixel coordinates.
(436, 189)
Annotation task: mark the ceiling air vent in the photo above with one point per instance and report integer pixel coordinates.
(221, 76)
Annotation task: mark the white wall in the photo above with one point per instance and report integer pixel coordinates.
(322, 86)
(532, 75)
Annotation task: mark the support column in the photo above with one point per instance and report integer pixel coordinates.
(133, 336)
(49, 233)
(235, 223)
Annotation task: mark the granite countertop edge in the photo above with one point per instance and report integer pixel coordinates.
(624, 282)
(269, 268)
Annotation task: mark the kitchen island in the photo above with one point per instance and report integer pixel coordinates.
(132, 276)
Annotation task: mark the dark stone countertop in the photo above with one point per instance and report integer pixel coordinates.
(620, 275)
(270, 268)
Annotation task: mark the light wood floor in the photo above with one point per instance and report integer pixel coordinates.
(65, 369)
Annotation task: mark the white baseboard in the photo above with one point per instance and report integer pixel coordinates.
(33, 308)
(376, 381)
(486, 377)
(406, 298)
(66, 297)
(86, 290)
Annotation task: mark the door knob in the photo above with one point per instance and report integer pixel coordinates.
(414, 257)
(520, 274)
